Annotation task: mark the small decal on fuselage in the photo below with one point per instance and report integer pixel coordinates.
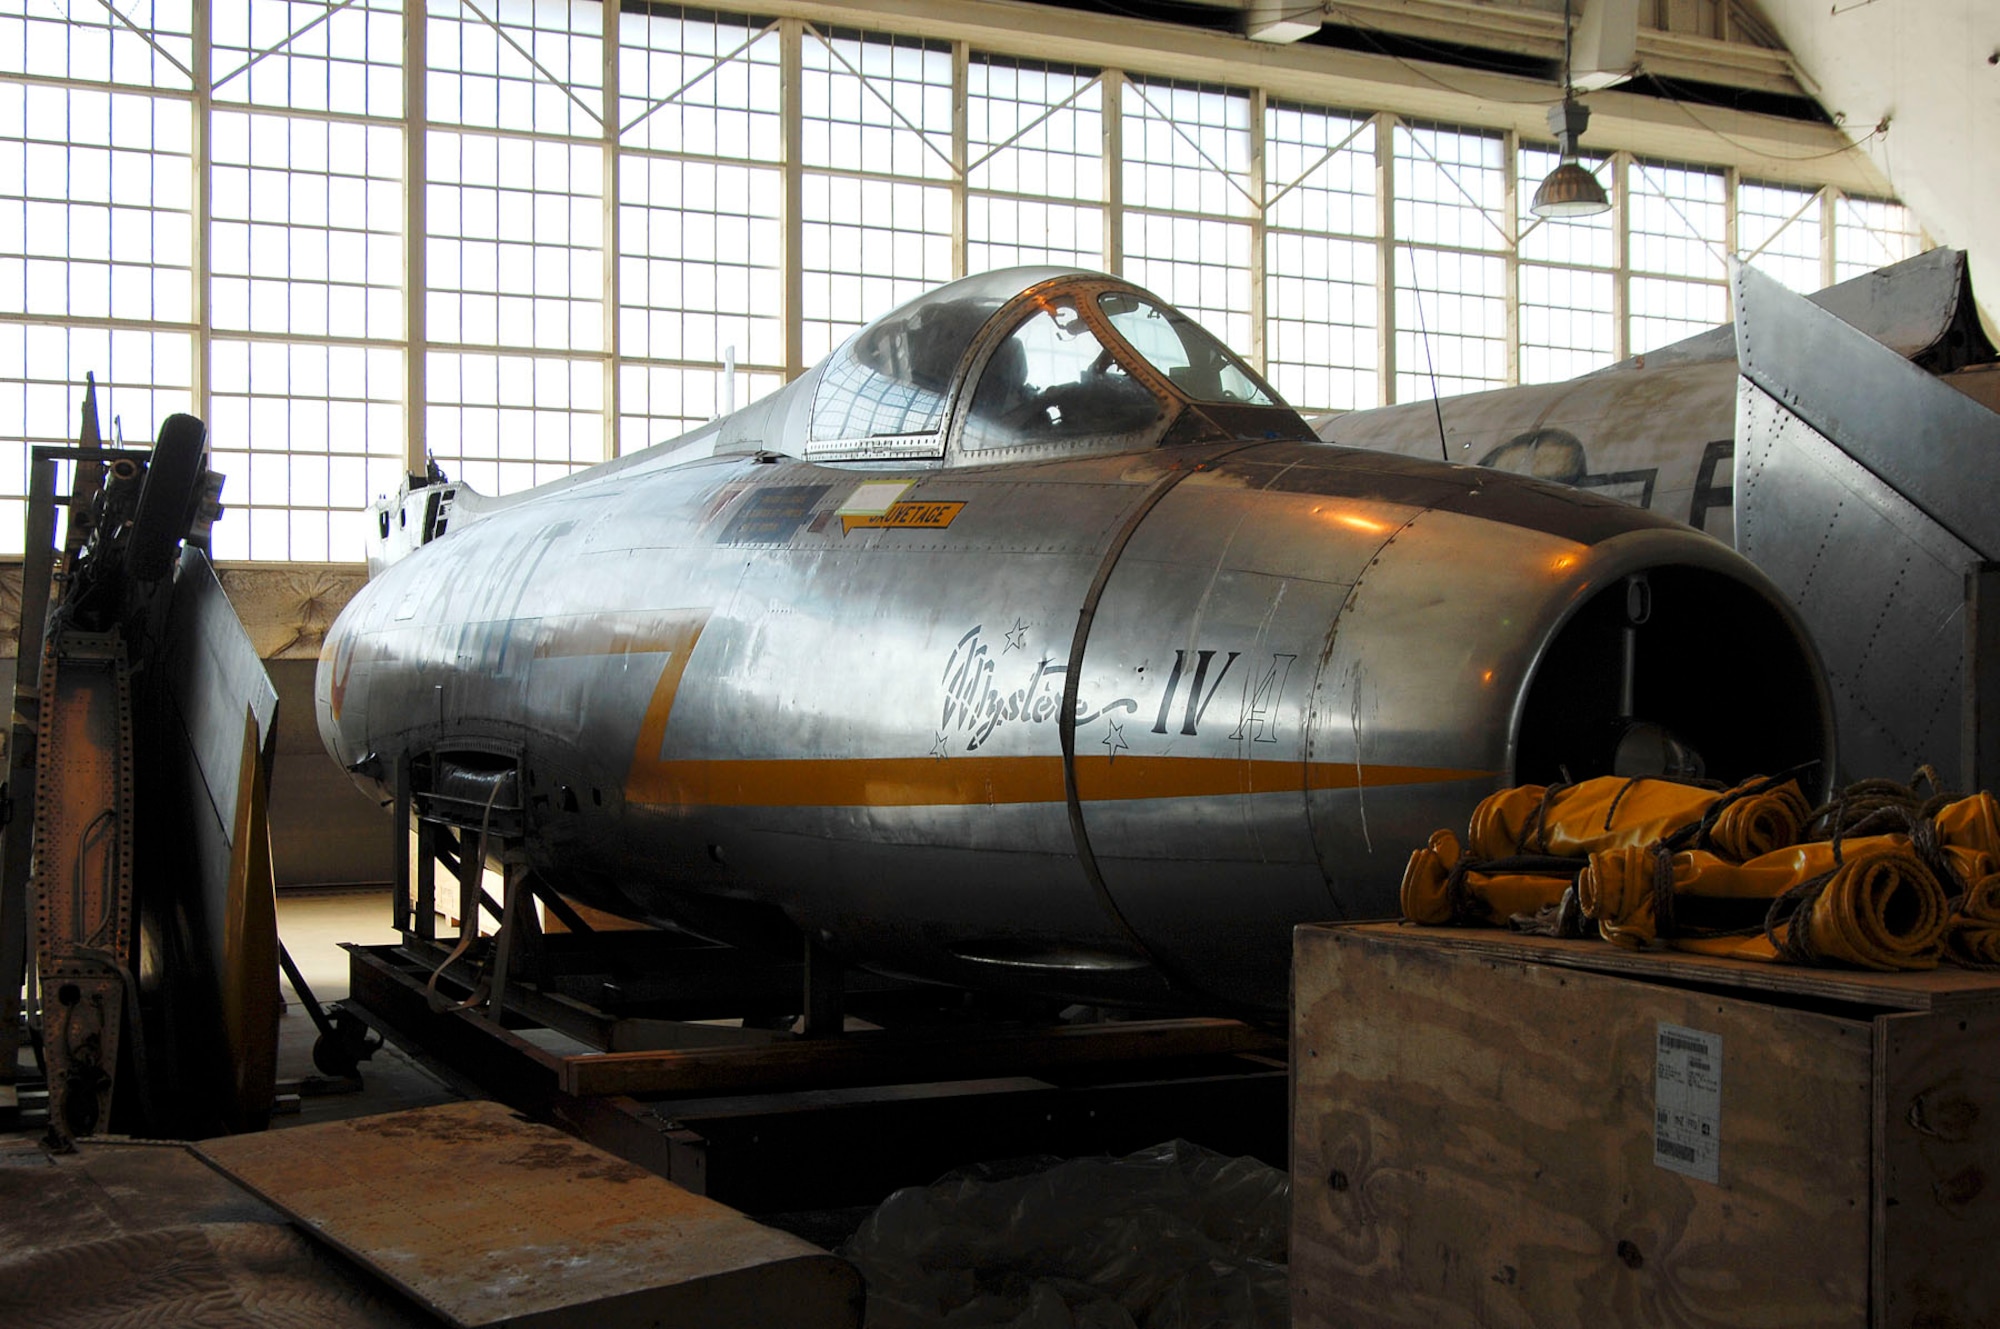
(913, 516)
(872, 498)
(772, 516)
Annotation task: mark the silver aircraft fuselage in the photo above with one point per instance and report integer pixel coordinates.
(1096, 689)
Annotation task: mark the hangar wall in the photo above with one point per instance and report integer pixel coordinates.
(324, 831)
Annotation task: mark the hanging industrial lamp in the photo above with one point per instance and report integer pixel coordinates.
(1569, 190)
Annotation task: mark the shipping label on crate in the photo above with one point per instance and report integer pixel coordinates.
(1687, 1102)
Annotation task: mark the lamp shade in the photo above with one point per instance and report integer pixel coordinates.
(1569, 191)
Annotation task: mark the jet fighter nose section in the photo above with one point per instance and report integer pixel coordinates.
(1032, 642)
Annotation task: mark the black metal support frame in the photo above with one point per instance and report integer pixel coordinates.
(1979, 730)
(807, 1144)
(753, 1090)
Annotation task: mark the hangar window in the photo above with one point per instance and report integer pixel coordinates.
(1451, 271)
(1188, 199)
(700, 218)
(1680, 272)
(297, 426)
(875, 211)
(95, 227)
(1567, 279)
(347, 58)
(1034, 164)
(488, 256)
(1778, 233)
(1320, 256)
(1869, 233)
(514, 240)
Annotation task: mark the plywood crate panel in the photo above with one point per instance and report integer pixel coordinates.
(1473, 1138)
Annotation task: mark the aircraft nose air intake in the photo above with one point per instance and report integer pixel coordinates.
(1677, 671)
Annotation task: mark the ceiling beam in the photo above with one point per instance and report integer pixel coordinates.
(1763, 146)
(1526, 32)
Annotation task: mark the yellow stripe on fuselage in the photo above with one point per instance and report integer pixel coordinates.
(964, 781)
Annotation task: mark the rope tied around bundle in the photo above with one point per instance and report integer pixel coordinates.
(1700, 834)
(1664, 921)
(1884, 807)
(1785, 922)
(1466, 911)
(1535, 829)
(1849, 809)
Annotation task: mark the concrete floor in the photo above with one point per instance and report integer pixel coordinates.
(312, 926)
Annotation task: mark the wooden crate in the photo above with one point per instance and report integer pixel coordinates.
(1473, 1137)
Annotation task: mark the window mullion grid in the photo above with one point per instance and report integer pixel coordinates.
(70, 83)
(1112, 124)
(1259, 290)
(1385, 257)
(1732, 229)
(1510, 186)
(416, 179)
(415, 126)
(1621, 258)
(613, 297)
(791, 61)
(201, 232)
(961, 152)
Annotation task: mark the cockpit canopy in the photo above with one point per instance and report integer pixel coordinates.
(1028, 362)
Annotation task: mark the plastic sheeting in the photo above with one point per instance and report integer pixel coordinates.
(1171, 1237)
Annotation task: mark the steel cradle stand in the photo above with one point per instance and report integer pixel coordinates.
(770, 1085)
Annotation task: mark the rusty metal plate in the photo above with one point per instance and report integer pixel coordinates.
(488, 1219)
(82, 883)
(127, 1234)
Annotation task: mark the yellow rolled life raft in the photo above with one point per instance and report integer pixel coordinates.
(1610, 812)
(1971, 823)
(1974, 936)
(1873, 904)
(1481, 897)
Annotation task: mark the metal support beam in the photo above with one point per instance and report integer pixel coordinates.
(202, 232)
(1112, 118)
(825, 993)
(1260, 194)
(791, 53)
(961, 154)
(426, 904)
(399, 849)
(1510, 223)
(611, 119)
(416, 227)
(1385, 259)
(17, 842)
(1621, 256)
(517, 931)
(1979, 730)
